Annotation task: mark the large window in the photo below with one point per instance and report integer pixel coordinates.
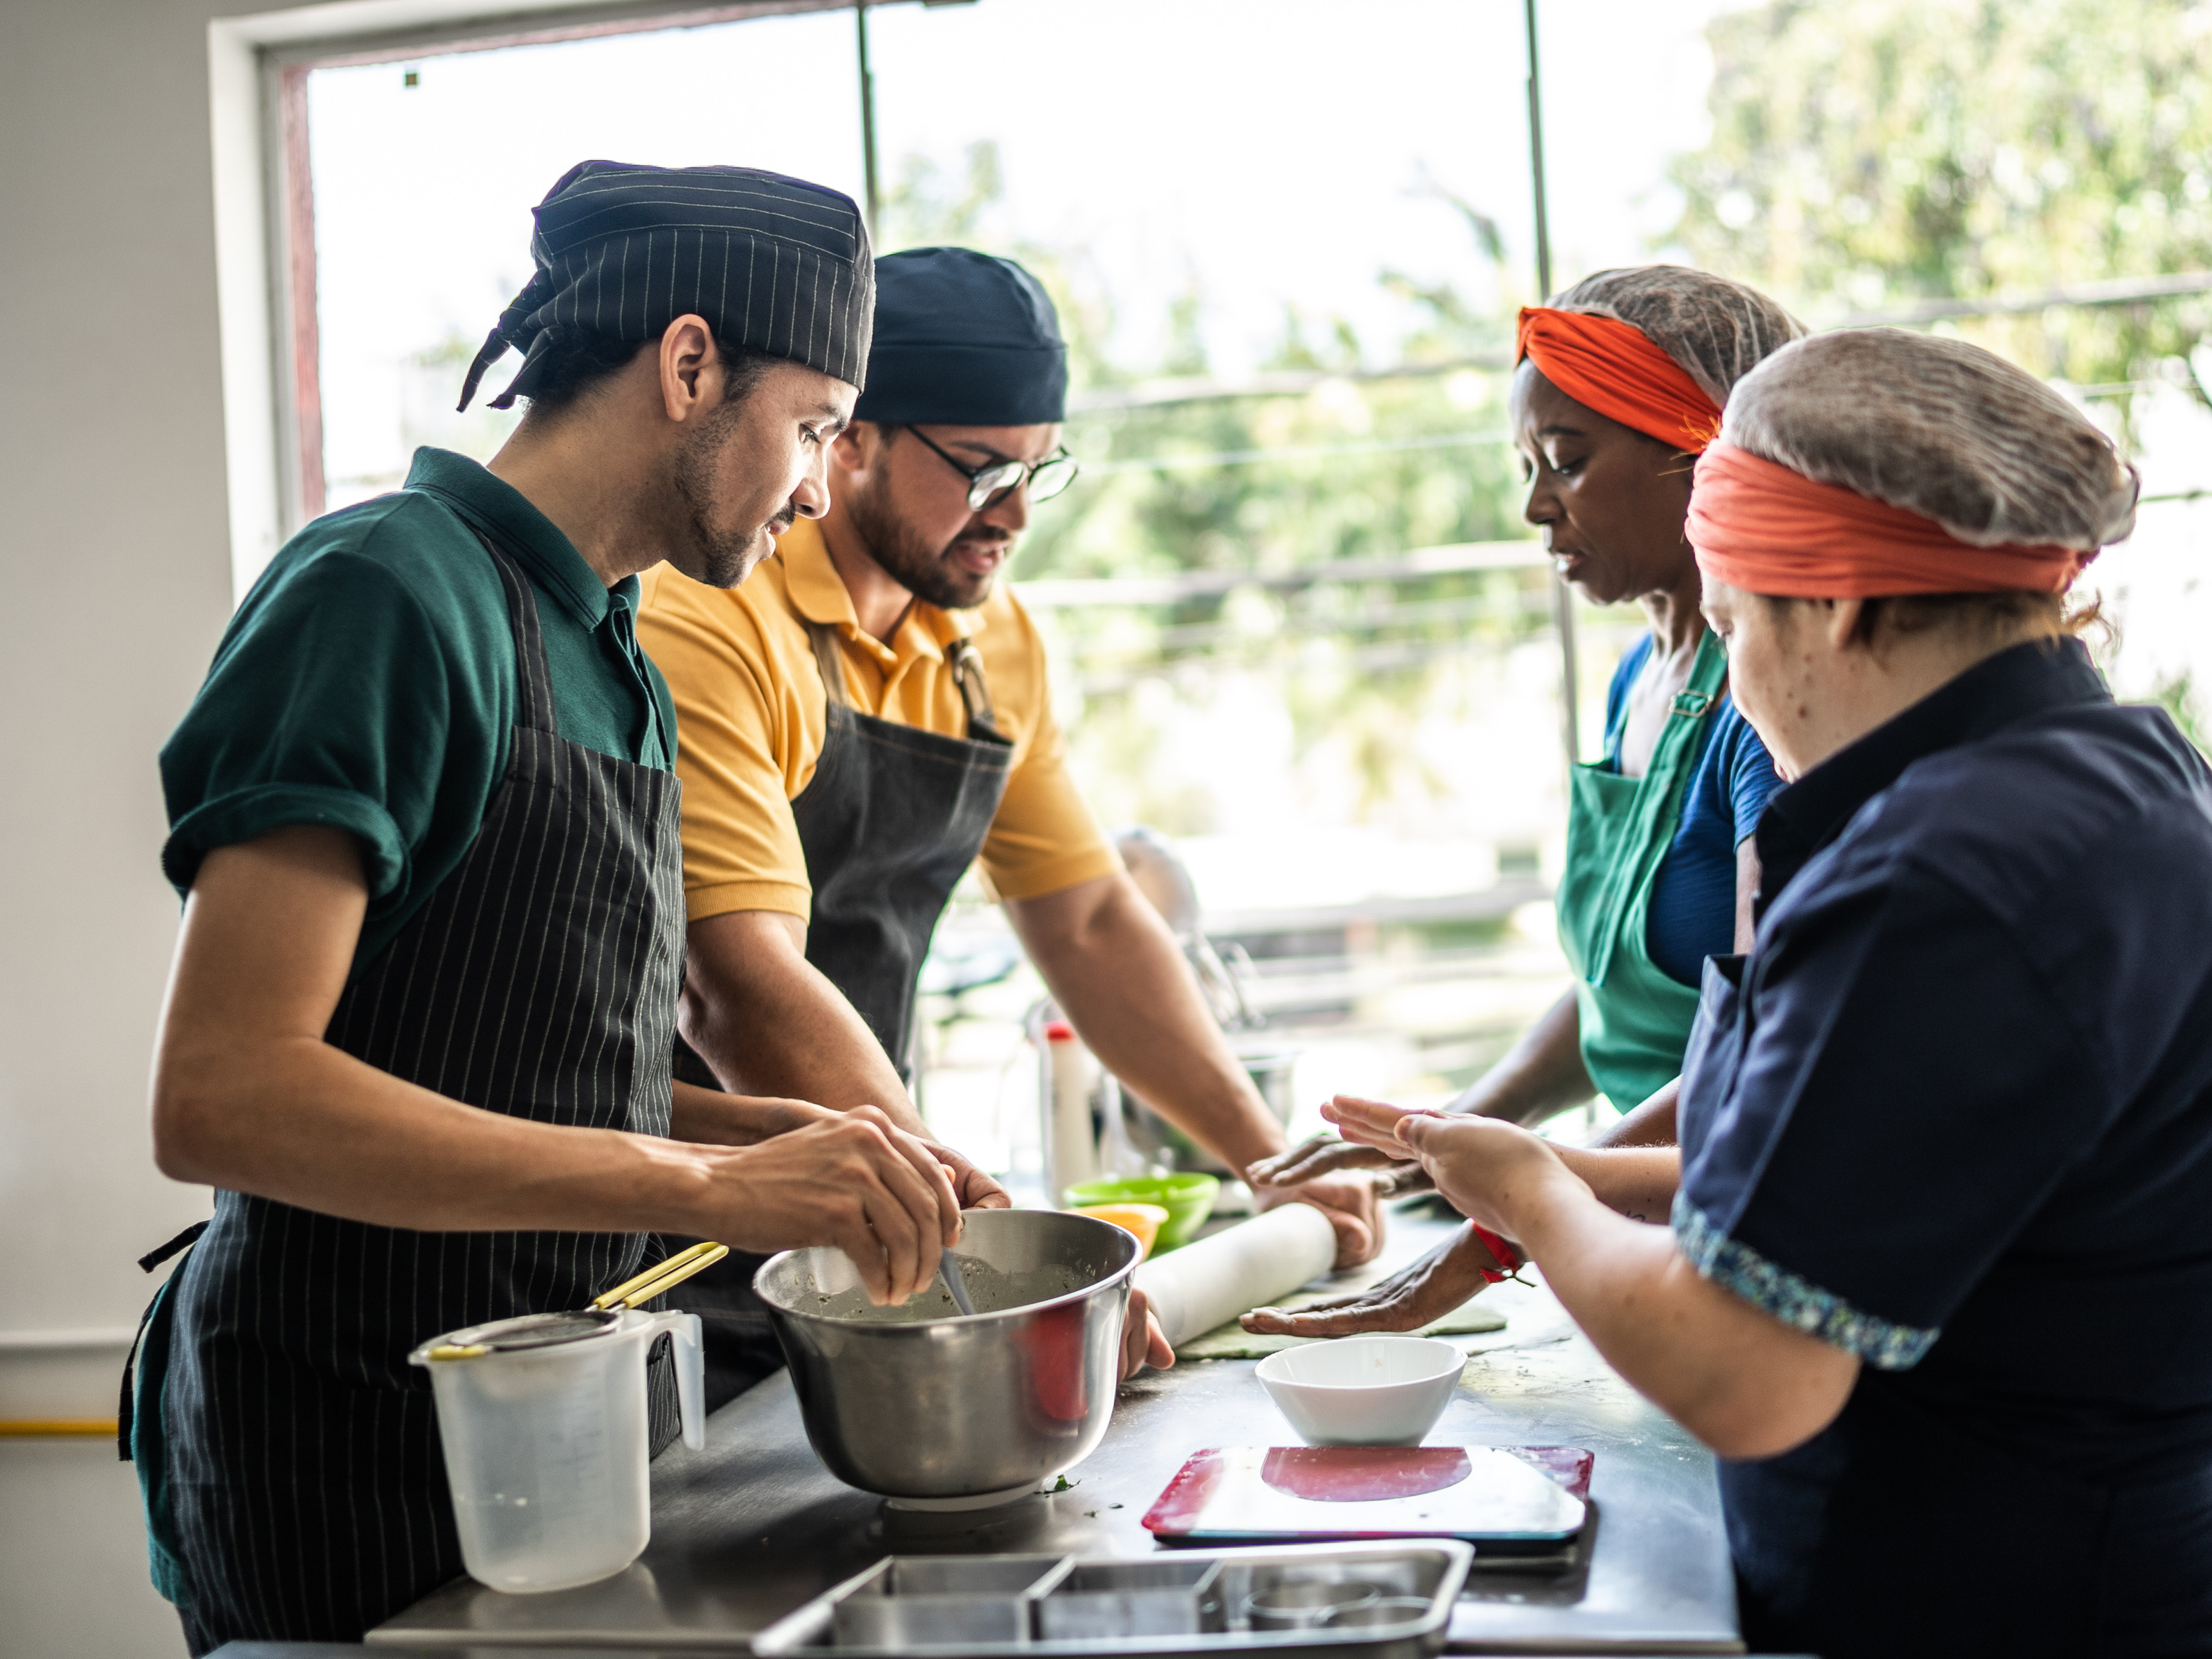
(1297, 623)
(425, 171)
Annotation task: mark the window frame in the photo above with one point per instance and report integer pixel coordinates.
(264, 208)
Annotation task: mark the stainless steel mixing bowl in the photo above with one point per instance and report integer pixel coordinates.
(959, 1407)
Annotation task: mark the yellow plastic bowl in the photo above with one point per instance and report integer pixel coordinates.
(1144, 1220)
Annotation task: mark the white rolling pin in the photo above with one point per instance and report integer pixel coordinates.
(1209, 1283)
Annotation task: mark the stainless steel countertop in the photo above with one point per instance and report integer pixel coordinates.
(748, 1527)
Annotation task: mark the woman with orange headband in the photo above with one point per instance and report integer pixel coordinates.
(1619, 387)
(1938, 1283)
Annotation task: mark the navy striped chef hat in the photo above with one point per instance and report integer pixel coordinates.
(775, 263)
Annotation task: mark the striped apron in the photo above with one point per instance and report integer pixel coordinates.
(303, 1492)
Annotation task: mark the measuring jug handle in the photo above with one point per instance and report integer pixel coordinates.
(690, 1355)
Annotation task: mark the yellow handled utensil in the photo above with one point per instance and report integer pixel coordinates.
(603, 1315)
(661, 1276)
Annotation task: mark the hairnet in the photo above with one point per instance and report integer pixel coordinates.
(1717, 331)
(1938, 427)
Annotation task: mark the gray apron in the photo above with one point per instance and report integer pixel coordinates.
(890, 822)
(295, 1490)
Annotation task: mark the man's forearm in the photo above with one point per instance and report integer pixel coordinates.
(717, 1119)
(769, 1022)
(1542, 1073)
(305, 1123)
(1113, 966)
(248, 1095)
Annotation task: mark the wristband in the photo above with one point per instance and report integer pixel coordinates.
(1506, 1256)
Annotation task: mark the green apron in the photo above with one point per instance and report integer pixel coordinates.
(1635, 1018)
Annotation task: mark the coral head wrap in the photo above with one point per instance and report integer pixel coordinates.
(1761, 527)
(1613, 367)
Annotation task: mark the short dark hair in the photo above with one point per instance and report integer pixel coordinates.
(575, 363)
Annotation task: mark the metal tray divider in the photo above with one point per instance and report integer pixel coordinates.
(877, 1611)
(1155, 1596)
(1226, 1576)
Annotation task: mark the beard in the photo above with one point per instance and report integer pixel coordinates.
(725, 557)
(926, 572)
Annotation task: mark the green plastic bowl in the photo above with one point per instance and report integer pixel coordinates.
(1188, 1199)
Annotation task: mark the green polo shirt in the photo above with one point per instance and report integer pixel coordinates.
(369, 682)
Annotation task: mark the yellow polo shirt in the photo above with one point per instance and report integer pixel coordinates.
(751, 713)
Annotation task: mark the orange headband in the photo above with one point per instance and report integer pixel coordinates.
(1767, 530)
(1615, 369)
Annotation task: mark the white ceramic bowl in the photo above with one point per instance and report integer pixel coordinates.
(1363, 1390)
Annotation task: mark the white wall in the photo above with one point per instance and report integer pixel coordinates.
(114, 544)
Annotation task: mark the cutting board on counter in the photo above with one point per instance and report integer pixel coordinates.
(1532, 1498)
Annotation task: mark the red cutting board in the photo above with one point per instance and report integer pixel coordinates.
(1526, 1496)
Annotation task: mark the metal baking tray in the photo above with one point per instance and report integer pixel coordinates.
(1389, 1600)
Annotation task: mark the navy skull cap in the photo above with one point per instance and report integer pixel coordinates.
(964, 338)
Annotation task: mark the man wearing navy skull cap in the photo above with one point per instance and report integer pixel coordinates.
(868, 718)
(424, 816)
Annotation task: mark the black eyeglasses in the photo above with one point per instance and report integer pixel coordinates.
(990, 484)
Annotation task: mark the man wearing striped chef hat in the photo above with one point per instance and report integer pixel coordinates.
(424, 817)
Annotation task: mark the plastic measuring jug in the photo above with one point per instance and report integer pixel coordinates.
(544, 1421)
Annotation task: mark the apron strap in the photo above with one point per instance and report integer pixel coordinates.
(533, 675)
(125, 1408)
(183, 1241)
(974, 695)
(967, 663)
(830, 661)
(1659, 801)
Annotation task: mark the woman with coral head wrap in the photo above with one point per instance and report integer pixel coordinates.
(1620, 386)
(1939, 1280)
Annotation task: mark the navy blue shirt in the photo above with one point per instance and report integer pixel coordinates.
(1953, 1114)
(1693, 910)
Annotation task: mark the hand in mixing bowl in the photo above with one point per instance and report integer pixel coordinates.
(855, 1181)
(729, 1120)
(1143, 1342)
(975, 1190)
(1411, 1297)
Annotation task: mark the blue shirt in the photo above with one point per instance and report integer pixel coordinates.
(1693, 910)
(1953, 1114)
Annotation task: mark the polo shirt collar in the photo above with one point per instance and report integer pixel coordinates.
(818, 593)
(2020, 682)
(500, 511)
